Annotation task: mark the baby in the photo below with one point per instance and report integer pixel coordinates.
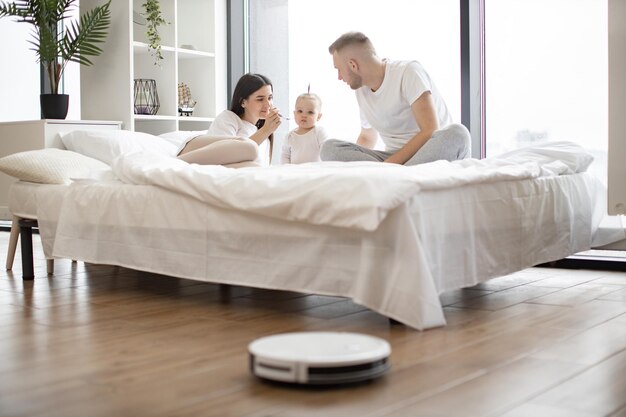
(303, 143)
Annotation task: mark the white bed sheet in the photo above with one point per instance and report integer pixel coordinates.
(345, 194)
(23, 198)
(439, 240)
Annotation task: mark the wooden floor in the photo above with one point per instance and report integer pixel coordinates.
(107, 341)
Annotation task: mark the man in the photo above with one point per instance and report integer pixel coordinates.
(399, 102)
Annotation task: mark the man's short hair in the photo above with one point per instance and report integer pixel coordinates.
(352, 38)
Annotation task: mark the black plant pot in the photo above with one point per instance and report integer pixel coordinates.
(54, 106)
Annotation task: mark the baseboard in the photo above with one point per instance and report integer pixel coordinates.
(588, 262)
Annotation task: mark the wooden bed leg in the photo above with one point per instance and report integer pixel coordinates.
(50, 266)
(26, 236)
(13, 238)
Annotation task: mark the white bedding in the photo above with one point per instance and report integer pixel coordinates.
(354, 195)
(421, 231)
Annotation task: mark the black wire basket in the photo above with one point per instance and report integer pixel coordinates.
(146, 96)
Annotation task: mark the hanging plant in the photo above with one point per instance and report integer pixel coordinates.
(154, 19)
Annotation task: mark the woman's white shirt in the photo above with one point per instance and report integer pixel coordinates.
(228, 123)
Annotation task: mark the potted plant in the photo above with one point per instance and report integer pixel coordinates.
(56, 44)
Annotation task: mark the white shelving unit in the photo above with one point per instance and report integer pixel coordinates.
(194, 51)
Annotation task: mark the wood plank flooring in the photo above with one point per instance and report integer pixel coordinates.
(99, 340)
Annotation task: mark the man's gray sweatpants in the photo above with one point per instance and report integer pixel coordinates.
(451, 143)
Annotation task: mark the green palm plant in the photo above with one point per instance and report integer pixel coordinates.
(55, 47)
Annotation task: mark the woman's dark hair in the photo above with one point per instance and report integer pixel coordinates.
(246, 86)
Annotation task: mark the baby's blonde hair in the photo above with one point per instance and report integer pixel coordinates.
(311, 96)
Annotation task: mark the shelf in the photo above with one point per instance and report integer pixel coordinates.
(194, 53)
(155, 117)
(195, 119)
(140, 48)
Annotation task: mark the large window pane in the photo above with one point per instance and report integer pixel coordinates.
(546, 75)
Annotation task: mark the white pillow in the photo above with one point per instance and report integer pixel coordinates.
(177, 137)
(106, 145)
(51, 166)
(574, 158)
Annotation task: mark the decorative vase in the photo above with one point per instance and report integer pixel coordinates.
(54, 106)
(146, 97)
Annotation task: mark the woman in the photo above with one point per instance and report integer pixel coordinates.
(235, 135)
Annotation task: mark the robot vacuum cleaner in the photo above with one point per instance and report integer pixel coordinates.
(318, 358)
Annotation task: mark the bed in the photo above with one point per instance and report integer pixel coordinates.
(390, 238)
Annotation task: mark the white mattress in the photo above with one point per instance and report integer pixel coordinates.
(440, 240)
(23, 198)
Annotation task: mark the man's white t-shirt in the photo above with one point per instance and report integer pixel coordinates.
(388, 109)
(298, 149)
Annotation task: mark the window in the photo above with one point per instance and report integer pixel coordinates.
(298, 35)
(545, 62)
(20, 82)
(546, 75)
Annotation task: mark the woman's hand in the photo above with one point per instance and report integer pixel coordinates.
(272, 121)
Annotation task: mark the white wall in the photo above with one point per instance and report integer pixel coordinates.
(19, 73)
(617, 107)
(20, 76)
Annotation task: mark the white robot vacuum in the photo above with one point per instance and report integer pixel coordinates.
(318, 358)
